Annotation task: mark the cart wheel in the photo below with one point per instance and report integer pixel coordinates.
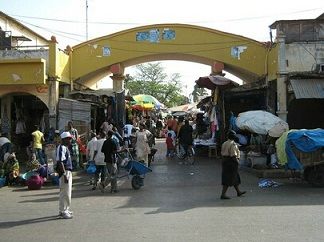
(137, 182)
(316, 177)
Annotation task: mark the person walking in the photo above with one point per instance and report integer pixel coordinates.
(38, 140)
(170, 144)
(91, 146)
(99, 159)
(64, 168)
(109, 148)
(142, 144)
(185, 136)
(230, 175)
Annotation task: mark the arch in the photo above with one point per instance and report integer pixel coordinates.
(243, 57)
(26, 105)
(43, 98)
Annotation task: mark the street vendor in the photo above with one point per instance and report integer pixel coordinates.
(11, 168)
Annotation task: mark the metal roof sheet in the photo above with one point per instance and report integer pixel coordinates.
(308, 88)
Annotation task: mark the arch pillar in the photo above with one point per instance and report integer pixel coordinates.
(118, 77)
(118, 82)
(217, 68)
(53, 89)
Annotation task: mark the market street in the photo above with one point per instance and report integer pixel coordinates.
(177, 203)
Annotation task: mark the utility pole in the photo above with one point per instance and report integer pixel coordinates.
(86, 20)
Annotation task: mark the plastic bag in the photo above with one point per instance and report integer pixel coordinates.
(91, 168)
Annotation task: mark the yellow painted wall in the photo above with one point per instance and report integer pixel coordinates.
(273, 63)
(191, 43)
(22, 71)
(59, 64)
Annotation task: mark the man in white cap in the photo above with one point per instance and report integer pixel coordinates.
(64, 168)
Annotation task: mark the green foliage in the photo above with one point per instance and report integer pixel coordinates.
(198, 92)
(151, 79)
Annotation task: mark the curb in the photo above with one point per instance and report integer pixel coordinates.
(271, 173)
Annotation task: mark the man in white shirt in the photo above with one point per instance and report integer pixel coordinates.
(91, 147)
(127, 133)
(99, 159)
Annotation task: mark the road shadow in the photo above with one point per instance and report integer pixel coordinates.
(11, 224)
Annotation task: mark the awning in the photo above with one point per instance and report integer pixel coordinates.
(183, 108)
(211, 82)
(308, 88)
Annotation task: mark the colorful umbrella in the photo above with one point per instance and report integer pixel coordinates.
(146, 102)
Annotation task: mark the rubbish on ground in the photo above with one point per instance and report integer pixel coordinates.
(263, 183)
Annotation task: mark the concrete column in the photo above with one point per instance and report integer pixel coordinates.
(282, 79)
(118, 87)
(53, 87)
(118, 82)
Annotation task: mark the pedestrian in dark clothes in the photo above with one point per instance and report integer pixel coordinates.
(230, 176)
(109, 148)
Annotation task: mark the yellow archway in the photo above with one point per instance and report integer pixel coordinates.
(243, 57)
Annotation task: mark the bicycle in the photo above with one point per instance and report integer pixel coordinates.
(186, 152)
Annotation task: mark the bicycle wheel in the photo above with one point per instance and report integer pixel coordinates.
(191, 156)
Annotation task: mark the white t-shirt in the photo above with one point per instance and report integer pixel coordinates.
(128, 130)
(100, 157)
(91, 148)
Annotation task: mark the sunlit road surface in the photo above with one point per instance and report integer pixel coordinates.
(177, 203)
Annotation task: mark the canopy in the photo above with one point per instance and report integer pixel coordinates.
(184, 108)
(261, 122)
(303, 140)
(146, 102)
(211, 82)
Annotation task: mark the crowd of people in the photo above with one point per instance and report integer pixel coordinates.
(102, 148)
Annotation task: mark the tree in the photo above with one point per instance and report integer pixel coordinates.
(151, 79)
(198, 92)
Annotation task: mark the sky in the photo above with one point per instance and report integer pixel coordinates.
(66, 19)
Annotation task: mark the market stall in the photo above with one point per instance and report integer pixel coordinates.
(213, 107)
(303, 150)
(260, 129)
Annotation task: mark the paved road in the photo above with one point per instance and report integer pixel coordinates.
(178, 203)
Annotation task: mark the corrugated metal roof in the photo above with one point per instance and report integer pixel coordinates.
(308, 88)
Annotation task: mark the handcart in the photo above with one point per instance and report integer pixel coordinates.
(131, 167)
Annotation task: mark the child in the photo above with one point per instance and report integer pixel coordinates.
(170, 145)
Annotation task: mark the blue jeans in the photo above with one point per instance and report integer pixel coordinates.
(170, 153)
(39, 155)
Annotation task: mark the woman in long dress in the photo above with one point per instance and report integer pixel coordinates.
(230, 175)
(142, 144)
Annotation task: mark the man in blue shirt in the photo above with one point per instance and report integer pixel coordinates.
(64, 168)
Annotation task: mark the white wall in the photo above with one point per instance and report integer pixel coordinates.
(303, 57)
